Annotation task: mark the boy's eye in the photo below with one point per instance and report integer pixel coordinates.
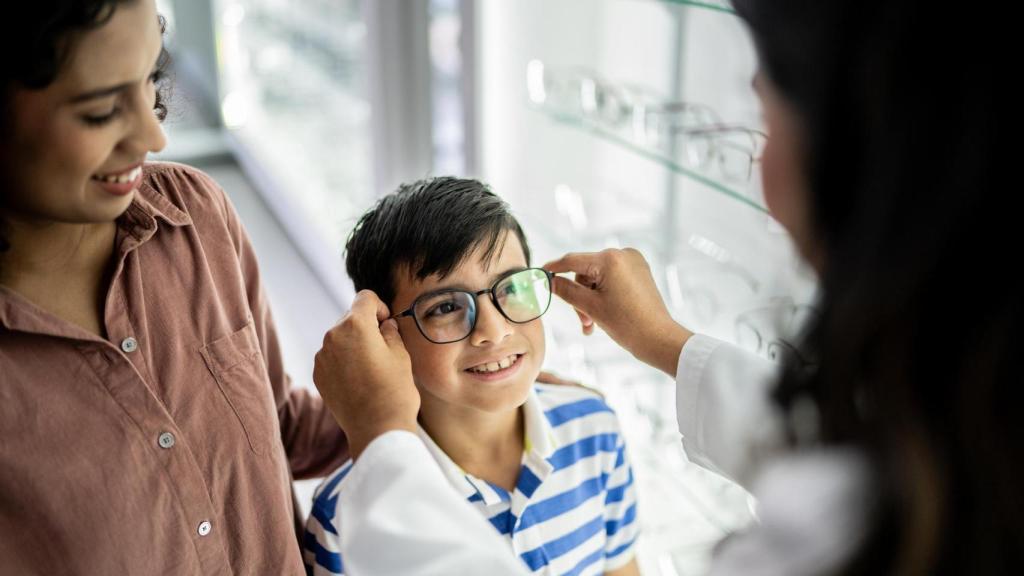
(442, 309)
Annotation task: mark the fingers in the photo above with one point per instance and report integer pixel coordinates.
(367, 304)
(579, 262)
(578, 296)
(546, 377)
(383, 313)
(596, 264)
(587, 281)
(586, 322)
(364, 304)
(389, 330)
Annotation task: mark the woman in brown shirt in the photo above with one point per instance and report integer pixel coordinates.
(146, 422)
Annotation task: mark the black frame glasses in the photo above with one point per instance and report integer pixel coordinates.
(464, 319)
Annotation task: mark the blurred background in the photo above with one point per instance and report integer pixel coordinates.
(602, 122)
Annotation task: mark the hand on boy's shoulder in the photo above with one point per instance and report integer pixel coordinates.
(546, 377)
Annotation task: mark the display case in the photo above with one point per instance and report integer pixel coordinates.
(614, 123)
(295, 104)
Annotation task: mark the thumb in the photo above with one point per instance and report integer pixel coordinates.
(577, 295)
(382, 311)
(389, 330)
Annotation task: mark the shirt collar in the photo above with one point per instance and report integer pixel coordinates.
(148, 206)
(139, 221)
(539, 444)
(540, 438)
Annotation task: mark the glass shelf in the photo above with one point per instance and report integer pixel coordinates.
(621, 136)
(652, 155)
(291, 81)
(710, 5)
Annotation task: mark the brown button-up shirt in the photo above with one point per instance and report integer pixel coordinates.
(169, 448)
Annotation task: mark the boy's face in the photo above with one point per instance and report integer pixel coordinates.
(445, 373)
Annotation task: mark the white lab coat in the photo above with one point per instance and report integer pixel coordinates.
(401, 517)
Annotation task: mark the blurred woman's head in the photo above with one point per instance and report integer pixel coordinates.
(80, 109)
(894, 155)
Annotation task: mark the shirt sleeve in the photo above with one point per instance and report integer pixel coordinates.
(815, 511)
(321, 542)
(723, 403)
(312, 439)
(402, 518)
(620, 521)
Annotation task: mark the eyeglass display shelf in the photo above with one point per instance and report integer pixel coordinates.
(722, 7)
(578, 123)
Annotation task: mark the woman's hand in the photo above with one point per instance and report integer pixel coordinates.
(364, 374)
(615, 289)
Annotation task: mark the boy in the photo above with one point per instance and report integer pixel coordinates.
(545, 464)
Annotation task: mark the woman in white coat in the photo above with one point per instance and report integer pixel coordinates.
(901, 452)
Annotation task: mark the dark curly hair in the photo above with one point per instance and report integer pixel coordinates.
(37, 42)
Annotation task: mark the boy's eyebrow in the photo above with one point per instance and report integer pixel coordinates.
(509, 270)
(494, 278)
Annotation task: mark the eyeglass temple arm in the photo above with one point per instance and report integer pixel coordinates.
(401, 314)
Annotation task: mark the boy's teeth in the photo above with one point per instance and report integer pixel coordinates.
(495, 366)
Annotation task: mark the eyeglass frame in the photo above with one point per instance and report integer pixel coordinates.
(490, 291)
(626, 105)
(716, 140)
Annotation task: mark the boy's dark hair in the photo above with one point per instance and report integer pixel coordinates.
(431, 226)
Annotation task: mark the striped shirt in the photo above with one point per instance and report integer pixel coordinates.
(573, 510)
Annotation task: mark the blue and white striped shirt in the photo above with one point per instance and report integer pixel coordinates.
(573, 510)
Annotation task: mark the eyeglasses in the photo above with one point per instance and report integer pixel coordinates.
(578, 92)
(733, 150)
(448, 316)
(693, 130)
(658, 124)
(768, 331)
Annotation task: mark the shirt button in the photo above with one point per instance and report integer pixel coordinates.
(166, 440)
(129, 345)
(204, 528)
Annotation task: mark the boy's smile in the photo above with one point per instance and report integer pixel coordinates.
(495, 370)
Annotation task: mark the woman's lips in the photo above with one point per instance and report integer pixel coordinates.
(120, 184)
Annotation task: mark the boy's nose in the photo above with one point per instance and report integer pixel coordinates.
(491, 326)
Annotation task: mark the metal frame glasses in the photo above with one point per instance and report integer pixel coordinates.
(735, 150)
(704, 142)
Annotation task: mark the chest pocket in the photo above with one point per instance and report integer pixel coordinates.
(237, 365)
